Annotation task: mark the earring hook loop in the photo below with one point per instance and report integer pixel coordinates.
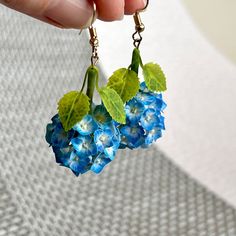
(145, 8)
(94, 38)
(139, 26)
(94, 14)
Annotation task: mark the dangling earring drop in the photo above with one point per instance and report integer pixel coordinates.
(143, 102)
(83, 135)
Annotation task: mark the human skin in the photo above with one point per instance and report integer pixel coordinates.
(75, 13)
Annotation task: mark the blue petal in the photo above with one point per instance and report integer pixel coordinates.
(111, 125)
(103, 139)
(101, 115)
(86, 126)
(49, 131)
(138, 142)
(132, 132)
(123, 142)
(144, 88)
(55, 119)
(134, 111)
(100, 162)
(161, 124)
(110, 152)
(61, 138)
(158, 105)
(134, 136)
(116, 136)
(153, 135)
(79, 165)
(149, 119)
(84, 146)
(62, 155)
(145, 98)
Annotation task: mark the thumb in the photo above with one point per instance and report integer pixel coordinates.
(62, 13)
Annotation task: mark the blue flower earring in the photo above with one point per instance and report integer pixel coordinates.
(85, 136)
(143, 102)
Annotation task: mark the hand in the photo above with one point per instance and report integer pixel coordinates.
(74, 13)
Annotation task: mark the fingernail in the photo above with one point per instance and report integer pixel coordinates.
(71, 13)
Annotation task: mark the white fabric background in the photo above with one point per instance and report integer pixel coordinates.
(201, 129)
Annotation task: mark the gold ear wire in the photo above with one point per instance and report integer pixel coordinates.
(94, 38)
(145, 8)
(139, 26)
(94, 14)
(93, 19)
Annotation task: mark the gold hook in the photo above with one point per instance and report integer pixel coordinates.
(139, 26)
(93, 19)
(94, 14)
(94, 38)
(145, 8)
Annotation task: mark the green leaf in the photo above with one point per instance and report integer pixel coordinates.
(113, 104)
(72, 108)
(125, 82)
(154, 77)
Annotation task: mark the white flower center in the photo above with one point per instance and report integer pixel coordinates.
(76, 159)
(84, 126)
(134, 110)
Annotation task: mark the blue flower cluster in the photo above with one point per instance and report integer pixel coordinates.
(90, 145)
(144, 120)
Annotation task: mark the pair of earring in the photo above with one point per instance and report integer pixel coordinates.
(85, 136)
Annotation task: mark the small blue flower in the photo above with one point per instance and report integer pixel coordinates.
(99, 163)
(84, 146)
(145, 98)
(62, 155)
(132, 136)
(49, 131)
(153, 135)
(161, 124)
(79, 165)
(123, 142)
(111, 152)
(158, 105)
(101, 115)
(149, 119)
(144, 88)
(86, 126)
(51, 127)
(113, 127)
(60, 138)
(103, 138)
(55, 119)
(134, 110)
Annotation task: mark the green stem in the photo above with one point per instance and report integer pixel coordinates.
(92, 77)
(85, 78)
(135, 61)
